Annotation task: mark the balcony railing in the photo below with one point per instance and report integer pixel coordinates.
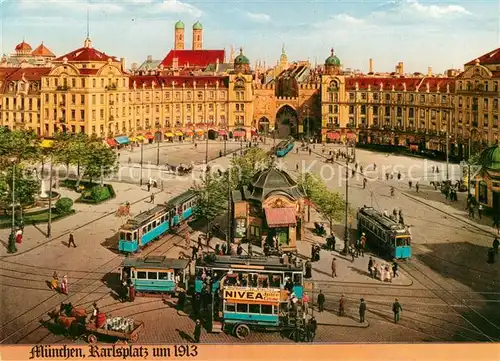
(63, 88)
(111, 87)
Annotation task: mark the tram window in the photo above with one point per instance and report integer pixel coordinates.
(253, 308)
(242, 307)
(297, 278)
(149, 227)
(134, 237)
(266, 309)
(230, 307)
(141, 275)
(152, 275)
(163, 276)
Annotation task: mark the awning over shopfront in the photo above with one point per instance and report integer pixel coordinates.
(239, 133)
(169, 135)
(139, 138)
(189, 133)
(122, 140)
(280, 217)
(133, 139)
(111, 142)
(149, 136)
(222, 132)
(333, 135)
(47, 143)
(179, 133)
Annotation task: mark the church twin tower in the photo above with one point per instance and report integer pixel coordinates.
(197, 36)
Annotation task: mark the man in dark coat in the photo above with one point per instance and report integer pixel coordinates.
(496, 243)
(71, 240)
(362, 311)
(342, 306)
(321, 301)
(396, 309)
(197, 331)
(370, 265)
(312, 326)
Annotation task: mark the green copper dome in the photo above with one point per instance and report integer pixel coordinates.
(241, 59)
(490, 158)
(179, 25)
(197, 26)
(332, 59)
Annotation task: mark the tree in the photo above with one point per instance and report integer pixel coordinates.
(21, 145)
(211, 195)
(243, 168)
(71, 149)
(99, 161)
(26, 187)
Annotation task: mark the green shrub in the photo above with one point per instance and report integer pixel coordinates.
(64, 205)
(99, 193)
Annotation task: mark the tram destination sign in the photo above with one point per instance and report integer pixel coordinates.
(251, 294)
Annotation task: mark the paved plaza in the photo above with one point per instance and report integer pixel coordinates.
(448, 291)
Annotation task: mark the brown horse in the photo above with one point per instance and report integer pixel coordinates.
(70, 319)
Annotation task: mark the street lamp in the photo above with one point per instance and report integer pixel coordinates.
(346, 225)
(12, 237)
(158, 150)
(49, 223)
(142, 158)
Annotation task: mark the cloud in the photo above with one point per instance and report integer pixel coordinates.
(404, 10)
(345, 18)
(176, 7)
(74, 5)
(258, 17)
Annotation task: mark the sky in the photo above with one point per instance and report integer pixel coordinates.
(420, 33)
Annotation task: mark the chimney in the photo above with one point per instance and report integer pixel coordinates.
(401, 68)
(150, 58)
(370, 70)
(429, 71)
(122, 60)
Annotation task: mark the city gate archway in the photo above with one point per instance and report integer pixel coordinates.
(286, 122)
(264, 125)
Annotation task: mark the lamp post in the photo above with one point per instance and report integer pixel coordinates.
(447, 156)
(49, 223)
(12, 237)
(142, 158)
(157, 152)
(346, 225)
(206, 150)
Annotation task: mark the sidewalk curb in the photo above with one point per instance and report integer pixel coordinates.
(460, 218)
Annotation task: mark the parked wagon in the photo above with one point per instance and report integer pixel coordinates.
(92, 332)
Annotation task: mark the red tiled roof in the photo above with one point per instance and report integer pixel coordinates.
(147, 80)
(493, 57)
(28, 74)
(193, 58)
(412, 84)
(42, 50)
(280, 217)
(86, 54)
(23, 46)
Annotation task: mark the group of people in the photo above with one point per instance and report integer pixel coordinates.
(383, 271)
(127, 289)
(63, 287)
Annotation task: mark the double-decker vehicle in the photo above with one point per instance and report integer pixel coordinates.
(154, 223)
(284, 147)
(242, 293)
(156, 274)
(385, 233)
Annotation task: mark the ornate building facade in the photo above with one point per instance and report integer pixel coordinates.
(89, 91)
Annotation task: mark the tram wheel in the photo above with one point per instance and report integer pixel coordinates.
(242, 331)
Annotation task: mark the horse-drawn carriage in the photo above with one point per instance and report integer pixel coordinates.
(76, 323)
(179, 170)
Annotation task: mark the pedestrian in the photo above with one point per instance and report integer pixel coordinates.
(392, 191)
(64, 285)
(321, 301)
(250, 250)
(200, 244)
(129, 160)
(71, 240)
(55, 280)
(149, 186)
(370, 267)
(342, 306)
(194, 253)
(297, 167)
(362, 244)
(197, 331)
(399, 175)
(334, 268)
(308, 269)
(152, 197)
(362, 311)
(312, 326)
(239, 250)
(224, 248)
(409, 183)
(364, 183)
(496, 243)
(188, 240)
(480, 211)
(124, 291)
(471, 211)
(305, 303)
(394, 269)
(417, 187)
(396, 308)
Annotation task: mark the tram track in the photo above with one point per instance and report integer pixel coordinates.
(12, 328)
(448, 298)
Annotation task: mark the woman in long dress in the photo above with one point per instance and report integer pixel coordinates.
(55, 281)
(64, 285)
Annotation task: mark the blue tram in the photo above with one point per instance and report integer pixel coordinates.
(284, 147)
(156, 274)
(248, 293)
(154, 223)
(385, 233)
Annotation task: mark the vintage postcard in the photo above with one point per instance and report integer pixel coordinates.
(249, 179)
